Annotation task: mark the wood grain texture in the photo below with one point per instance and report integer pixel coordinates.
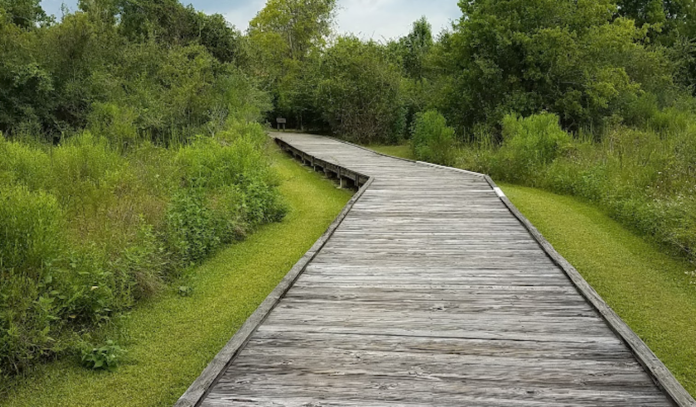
(431, 290)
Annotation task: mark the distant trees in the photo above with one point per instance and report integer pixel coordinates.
(168, 70)
(415, 47)
(284, 39)
(359, 92)
(25, 14)
(570, 57)
(670, 23)
(294, 26)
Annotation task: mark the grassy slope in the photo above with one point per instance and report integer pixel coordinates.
(171, 339)
(647, 288)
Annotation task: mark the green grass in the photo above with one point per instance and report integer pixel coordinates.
(650, 290)
(171, 339)
(402, 150)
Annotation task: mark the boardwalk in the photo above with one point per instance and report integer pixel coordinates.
(430, 292)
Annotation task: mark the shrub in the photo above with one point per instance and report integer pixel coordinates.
(31, 240)
(643, 177)
(229, 190)
(31, 225)
(84, 171)
(105, 357)
(86, 230)
(529, 144)
(190, 227)
(432, 140)
(23, 164)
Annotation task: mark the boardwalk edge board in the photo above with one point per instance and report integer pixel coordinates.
(197, 392)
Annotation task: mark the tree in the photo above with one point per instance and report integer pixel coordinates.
(284, 40)
(299, 24)
(416, 46)
(26, 14)
(570, 57)
(169, 22)
(672, 24)
(359, 94)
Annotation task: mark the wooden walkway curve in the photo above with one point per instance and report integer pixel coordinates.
(430, 289)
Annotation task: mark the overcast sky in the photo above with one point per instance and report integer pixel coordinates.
(376, 19)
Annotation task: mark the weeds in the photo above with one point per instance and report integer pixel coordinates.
(87, 229)
(105, 357)
(432, 140)
(644, 177)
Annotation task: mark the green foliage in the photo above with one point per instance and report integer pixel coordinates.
(571, 58)
(26, 14)
(154, 70)
(285, 39)
(237, 171)
(432, 140)
(31, 240)
(643, 178)
(170, 339)
(190, 227)
(295, 26)
(359, 94)
(105, 357)
(530, 144)
(89, 228)
(416, 46)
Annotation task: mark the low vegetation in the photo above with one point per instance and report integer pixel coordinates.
(644, 178)
(88, 231)
(169, 339)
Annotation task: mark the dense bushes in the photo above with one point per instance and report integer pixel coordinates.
(359, 92)
(644, 178)
(87, 231)
(530, 144)
(158, 70)
(572, 58)
(130, 152)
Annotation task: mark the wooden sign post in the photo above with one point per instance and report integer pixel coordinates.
(279, 121)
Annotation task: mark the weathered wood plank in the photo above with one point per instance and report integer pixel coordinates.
(433, 290)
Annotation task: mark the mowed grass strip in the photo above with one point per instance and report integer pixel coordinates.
(651, 291)
(171, 338)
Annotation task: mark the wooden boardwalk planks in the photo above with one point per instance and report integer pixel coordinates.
(430, 291)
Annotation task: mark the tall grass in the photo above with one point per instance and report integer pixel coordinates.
(431, 139)
(92, 225)
(643, 176)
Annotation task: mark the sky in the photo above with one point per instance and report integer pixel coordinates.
(368, 19)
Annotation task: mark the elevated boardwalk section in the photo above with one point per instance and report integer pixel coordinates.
(430, 289)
